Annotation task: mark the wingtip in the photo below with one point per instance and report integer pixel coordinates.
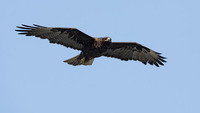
(25, 25)
(156, 64)
(37, 25)
(162, 57)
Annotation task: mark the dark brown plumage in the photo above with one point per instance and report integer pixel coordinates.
(92, 47)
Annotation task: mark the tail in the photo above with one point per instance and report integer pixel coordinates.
(79, 61)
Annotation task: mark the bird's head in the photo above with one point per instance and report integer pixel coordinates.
(107, 39)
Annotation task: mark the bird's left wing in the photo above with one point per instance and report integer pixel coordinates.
(134, 51)
(69, 37)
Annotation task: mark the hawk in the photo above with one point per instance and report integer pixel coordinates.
(92, 47)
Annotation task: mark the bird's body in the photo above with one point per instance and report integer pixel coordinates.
(92, 51)
(91, 47)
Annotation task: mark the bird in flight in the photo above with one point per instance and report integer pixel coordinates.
(92, 47)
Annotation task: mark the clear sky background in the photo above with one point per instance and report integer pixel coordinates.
(34, 78)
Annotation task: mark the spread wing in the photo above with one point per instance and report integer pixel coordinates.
(134, 51)
(69, 37)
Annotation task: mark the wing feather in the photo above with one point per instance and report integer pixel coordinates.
(134, 51)
(69, 37)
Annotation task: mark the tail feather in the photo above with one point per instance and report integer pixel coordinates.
(74, 61)
(77, 61)
(89, 62)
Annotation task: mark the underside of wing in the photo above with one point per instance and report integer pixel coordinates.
(134, 51)
(69, 37)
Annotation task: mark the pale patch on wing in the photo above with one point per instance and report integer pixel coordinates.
(135, 55)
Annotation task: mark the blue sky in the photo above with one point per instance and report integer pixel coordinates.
(34, 78)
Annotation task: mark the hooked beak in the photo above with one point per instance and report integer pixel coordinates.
(108, 39)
